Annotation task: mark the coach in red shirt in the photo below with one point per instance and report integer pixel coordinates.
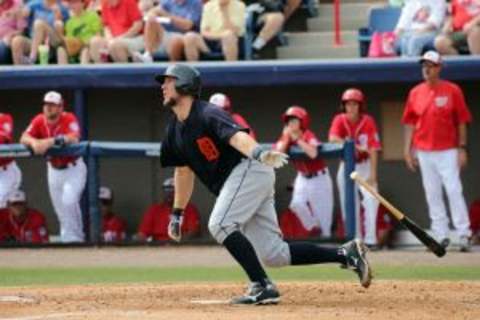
(21, 224)
(113, 227)
(435, 119)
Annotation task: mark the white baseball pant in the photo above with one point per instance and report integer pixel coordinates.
(312, 201)
(66, 188)
(369, 203)
(437, 168)
(10, 180)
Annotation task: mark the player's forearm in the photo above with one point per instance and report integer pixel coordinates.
(462, 135)
(244, 143)
(184, 180)
(335, 139)
(407, 134)
(373, 163)
(27, 140)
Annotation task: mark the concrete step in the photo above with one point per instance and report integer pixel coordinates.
(347, 10)
(326, 23)
(319, 38)
(317, 52)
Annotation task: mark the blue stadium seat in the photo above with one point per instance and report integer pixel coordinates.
(381, 20)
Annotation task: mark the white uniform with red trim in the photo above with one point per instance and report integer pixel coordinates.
(10, 174)
(66, 176)
(365, 134)
(435, 112)
(312, 198)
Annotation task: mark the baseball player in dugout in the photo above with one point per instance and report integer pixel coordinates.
(203, 140)
(435, 119)
(224, 102)
(10, 174)
(354, 123)
(21, 224)
(312, 198)
(55, 127)
(113, 227)
(154, 225)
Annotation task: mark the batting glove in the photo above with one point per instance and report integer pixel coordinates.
(270, 157)
(175, 225)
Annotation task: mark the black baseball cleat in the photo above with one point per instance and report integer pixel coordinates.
(445, 243)
(259, 295)
(355, 253)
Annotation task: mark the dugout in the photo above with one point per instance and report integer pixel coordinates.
(121, 103)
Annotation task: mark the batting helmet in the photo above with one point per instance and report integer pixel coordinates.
(353, 94)
(297, 112)
(221, 100)
(187, 79)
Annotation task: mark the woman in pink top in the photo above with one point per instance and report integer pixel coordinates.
(12, 23)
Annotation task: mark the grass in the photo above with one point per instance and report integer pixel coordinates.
(72, 276)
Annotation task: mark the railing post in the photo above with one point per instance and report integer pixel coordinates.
(350, 214)
(93, 208)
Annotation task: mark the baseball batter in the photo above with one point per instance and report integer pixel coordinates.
(353, 123)
(10, 174)
(312, 198)
(203, 140)
(224, 102)
(66, 175)
(435, 119)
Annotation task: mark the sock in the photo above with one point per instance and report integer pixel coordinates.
(258, 44)
(242, 250)
(310, 253)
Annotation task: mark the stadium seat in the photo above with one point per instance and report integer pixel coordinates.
(381, 20)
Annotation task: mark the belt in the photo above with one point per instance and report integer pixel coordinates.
(64, 166)
(311, 175)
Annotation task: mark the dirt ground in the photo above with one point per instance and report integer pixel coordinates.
(403, 300)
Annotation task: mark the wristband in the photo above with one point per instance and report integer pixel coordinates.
(59, 141)
(257, 152)
(177, 212)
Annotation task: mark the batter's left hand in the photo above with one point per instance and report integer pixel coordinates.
(271, 158)
(462, 158)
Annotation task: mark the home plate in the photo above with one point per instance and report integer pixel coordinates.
(16, 299)
(210, 301)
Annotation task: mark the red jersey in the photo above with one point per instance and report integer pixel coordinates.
(363, 132)
(435, 113)
(113, 228)
(31, 230)
(120, 18)
(307, 166)
(292, 228)
(156, 218)
(6, 132)
(67, 124)
(243, 123)
(463, 11)
(474, 214)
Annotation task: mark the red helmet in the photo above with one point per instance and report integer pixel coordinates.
(297, 112)
(221, 100)
(353, 94)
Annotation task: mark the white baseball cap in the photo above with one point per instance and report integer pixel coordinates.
(17, 196)
(53, 97)
(431, 56)
(105, 193)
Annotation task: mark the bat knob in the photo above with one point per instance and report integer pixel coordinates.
(354, 175)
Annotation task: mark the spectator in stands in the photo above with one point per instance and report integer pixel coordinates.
(165, 27)
(462, 29)
(419, 23)
(223, 23)
(113, 227)
(20, 223)
(123, 26)
(82, 25)
(272, 14)
(474, 213)
(155, 220)
(224, 102)
(45, 24)
(12, 23)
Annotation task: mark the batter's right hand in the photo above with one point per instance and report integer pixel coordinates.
(412, 162)
(175, 225)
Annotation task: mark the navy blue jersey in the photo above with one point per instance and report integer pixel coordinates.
(201, 142)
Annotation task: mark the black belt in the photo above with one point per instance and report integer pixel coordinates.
(311, 175)
(65, 166)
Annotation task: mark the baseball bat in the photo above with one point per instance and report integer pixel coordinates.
(419, 233)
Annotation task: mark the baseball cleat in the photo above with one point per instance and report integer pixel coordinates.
(445, 243)
(464, 243)
(355, 253)
(259, 295)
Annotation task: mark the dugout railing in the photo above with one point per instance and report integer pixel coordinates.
(92, 151)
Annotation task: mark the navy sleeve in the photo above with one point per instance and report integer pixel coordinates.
(221, 124)
(169, 156)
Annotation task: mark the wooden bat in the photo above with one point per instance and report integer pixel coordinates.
(421, 235)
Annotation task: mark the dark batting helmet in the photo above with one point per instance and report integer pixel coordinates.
(297, 112)
(187, 79)
(353, 94)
